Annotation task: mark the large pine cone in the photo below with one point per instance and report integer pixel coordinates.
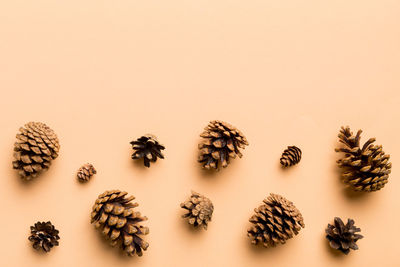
(44, 236)
(37, 145)
(291, 156)
(86, 172)
(366, 168)
(148, 148)
(113, 213)
(275, 221)
(221, 141)
(343, 237)
(199, 210)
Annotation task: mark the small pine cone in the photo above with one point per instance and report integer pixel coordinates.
(365, 168)
(275, 221)
(291, 156)
(148, 148)
(113, 213)
(44, 236)
(221, 141)
(199, 210)
(343, 237)
(36, 146)
(86, 172)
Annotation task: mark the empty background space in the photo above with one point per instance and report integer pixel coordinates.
(102, 73)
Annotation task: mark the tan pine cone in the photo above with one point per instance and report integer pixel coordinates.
(365, 168)
(113, 213)
(291, 156)
(199, 210)
(275, 221)
(221, 142)
(86, 172)
(36, 146)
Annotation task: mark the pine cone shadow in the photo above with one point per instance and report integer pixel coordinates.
(260, 250)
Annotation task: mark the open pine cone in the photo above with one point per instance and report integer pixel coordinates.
(44, 236)
(114, 214)
(221, 142)
(36, 146)
(275, 221)
(365, 168)
(343, 237)
(148, 148)
(86, 172)
(199, 210)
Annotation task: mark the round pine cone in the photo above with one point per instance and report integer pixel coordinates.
(365, 168)
(221, 141)
(86, 172)
(275, 221)
(36, 146)
(44, 236)
(113, 213)
(291, 156)
(199, 210)
(148, 148)
(343, 237)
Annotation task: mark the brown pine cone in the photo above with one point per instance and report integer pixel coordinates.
(365, 168)
(114, 214)
(343, 237)
(221, 142)
(86, 172)
(36, 146)
(44, 236)
(275, 221)
(199, 210)
(291, 156)
(148, 148)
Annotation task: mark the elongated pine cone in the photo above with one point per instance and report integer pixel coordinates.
(44, 236)
(365, 168)
(291, 156)
(275, 221)
(113, 213)
(148, 148)
(199, 210)
(36, 146)
(221, 142)
(343, 237)
(86, 172)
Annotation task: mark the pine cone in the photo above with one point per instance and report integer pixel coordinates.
(113, 213)
(291, 156)
(37, 145)
(199, 210)
(44, 236)
(148, 148)
(343, 237)
(86, 172)
(366, 168)
(275, 221)
(221, 141)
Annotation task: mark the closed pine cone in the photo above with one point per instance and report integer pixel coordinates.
(365, 168)
(199, 210)
(148, 148)
(86, 172)
(275, 221)
(221, 142)
(114, 214)
(36, 146)
(44, 236)
(343, 237)
(291, 156)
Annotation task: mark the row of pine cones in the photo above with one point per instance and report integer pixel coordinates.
(365, 168)
(274, 222)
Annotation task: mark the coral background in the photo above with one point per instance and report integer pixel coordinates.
(102, 73)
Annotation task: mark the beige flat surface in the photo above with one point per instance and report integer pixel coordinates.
(102, 73)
